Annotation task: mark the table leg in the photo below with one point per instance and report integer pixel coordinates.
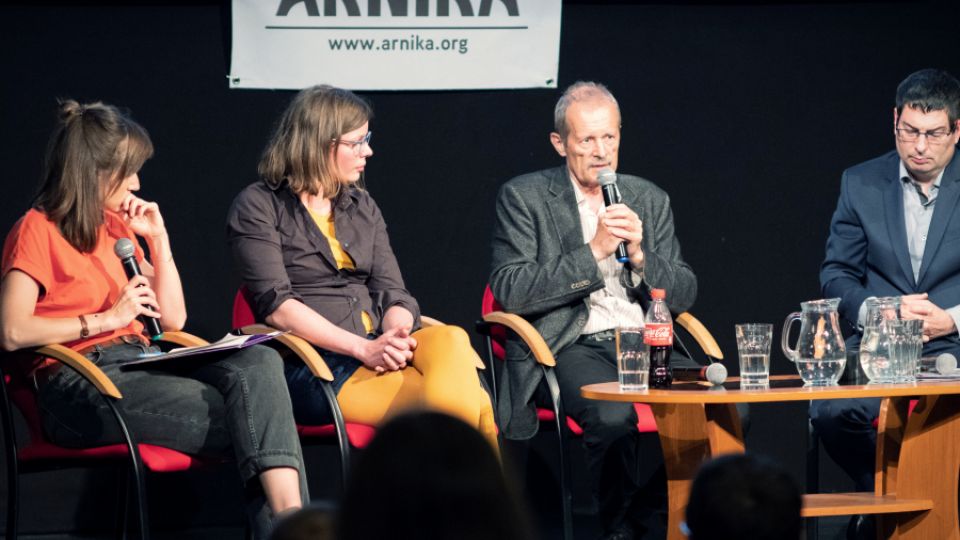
(918, 459)
(689, 435)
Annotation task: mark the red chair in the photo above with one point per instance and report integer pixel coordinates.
(18, 389)
(495, 326)
(344, 433)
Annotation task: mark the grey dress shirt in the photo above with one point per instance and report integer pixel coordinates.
(281, 254)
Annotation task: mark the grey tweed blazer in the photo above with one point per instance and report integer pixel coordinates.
(543, 270)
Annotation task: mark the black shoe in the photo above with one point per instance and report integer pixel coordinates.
(862, 527)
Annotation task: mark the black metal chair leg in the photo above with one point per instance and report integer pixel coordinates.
(13, 470)
(343, 441)
(492, 366)
(13, 499)
(136, 465)
(565, 469)
(123, 503)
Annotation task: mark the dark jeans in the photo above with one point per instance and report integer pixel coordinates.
(310, 406)
(846, 429)
(232, 405)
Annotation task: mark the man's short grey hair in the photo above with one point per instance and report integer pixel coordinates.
(579, 91)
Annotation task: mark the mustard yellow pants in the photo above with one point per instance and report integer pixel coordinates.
(442, 376)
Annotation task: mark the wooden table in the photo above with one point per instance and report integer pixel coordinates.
(918, 460)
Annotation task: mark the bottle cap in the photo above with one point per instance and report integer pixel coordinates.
(658, 294)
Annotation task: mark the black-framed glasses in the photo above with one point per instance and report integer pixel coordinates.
(937, 136)
(357, 145)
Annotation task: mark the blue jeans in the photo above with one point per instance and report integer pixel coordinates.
(232, 405)
(310, 405)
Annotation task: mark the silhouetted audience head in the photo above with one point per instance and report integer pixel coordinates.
(430, 476)
(743, 496)
(312, 522)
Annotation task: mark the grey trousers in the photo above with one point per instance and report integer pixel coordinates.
(233, 405)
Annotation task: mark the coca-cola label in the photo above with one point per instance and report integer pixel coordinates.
(658, 334)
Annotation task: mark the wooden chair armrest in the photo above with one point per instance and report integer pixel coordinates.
(298, 346)
(526, 331)
(183, 339)
(87, 369)
(700, 334)
(427, 322)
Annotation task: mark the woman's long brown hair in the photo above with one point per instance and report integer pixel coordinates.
(299, 151)
(92, 149)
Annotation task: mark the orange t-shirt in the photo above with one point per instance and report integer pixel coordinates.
(71, 283)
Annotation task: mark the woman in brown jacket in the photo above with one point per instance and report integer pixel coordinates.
(313, 251)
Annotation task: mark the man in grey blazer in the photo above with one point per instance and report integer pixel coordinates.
(554, 264)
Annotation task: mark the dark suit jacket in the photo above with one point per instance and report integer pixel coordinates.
(543, 270)
(867, 249)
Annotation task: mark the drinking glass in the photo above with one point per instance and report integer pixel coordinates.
(633, 359)
(890, 350)
(753, 344)
(911, 347)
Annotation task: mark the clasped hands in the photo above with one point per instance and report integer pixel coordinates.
(936, 321)
(391, 351)
(619, 224)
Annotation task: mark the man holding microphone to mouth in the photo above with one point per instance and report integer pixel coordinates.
(555, 263)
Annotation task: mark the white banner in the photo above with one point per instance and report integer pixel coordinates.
(395, 44)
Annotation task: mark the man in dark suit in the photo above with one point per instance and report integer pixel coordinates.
(554, 263)
(896, 232)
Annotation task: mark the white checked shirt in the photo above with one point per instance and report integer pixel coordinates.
(609, 306)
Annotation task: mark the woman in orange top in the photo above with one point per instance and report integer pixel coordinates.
(62, 283)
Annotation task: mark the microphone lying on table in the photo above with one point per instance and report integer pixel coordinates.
(944, 364)
(715, 373)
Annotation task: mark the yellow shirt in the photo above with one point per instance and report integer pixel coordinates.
(325, 224)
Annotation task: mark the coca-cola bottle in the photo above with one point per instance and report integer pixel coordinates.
(658, 334)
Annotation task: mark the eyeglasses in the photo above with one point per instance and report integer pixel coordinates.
(356, 146)
(935, 137)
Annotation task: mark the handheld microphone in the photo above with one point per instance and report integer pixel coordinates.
(943, 364)
(125, 250)
(715, 373)
(611, 195)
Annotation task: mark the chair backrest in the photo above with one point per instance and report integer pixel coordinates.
(242, 311)
(498, 334)
(22, 392)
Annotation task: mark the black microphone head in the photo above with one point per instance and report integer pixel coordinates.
(124, 248)
(716, 373)
(606, 177)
